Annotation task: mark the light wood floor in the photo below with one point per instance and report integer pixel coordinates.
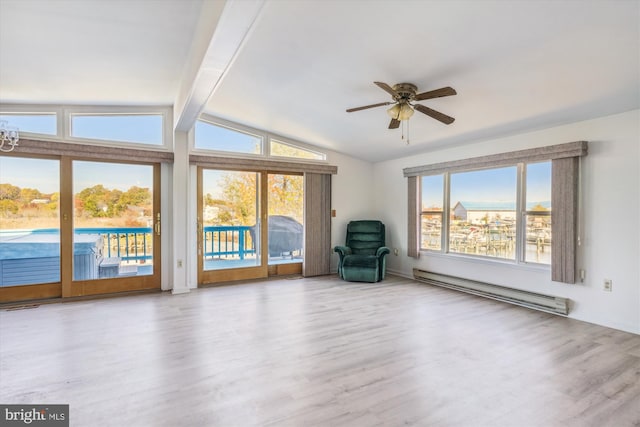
(306, 352)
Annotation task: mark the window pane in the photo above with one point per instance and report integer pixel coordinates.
(483, 212)
(231, 228)
(113, 220)
(29, 221)
(212, 137)
(286, 218)
(42, 123)
(538, 217)
(138, 128)
(431, 218)
(280, 149)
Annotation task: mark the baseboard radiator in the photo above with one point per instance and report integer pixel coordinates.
(548, 303)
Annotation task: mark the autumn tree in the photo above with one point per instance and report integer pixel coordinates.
(285, 197)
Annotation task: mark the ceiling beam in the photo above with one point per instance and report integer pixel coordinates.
(221, 32)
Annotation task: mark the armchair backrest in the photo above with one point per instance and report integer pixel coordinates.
(365, 237)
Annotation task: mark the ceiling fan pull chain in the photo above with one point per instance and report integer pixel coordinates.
(407, 132)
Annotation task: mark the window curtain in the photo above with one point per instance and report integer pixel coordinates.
(413, 219)
(317, 224)
(564, 200)
(92, 152)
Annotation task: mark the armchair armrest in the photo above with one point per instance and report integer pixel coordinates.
(383, 250)
(343, 250)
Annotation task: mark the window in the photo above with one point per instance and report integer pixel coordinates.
(222, 136)
(219, 138)
(508, 214)
(282, 149)
(482, 212)
(40, 123)
(137, 128)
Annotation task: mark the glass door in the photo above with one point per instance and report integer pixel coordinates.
(116, 227)
(230, 238)
(286, 223)
(29, 228)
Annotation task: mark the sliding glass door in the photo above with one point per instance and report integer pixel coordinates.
(71, 227)
(233, 206)
(115, 227)
(230, 237)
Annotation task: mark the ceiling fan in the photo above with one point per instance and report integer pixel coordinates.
(404, 98)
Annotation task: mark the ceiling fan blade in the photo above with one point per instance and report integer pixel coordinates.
(434, 114)
(394, 124)
(387, 89)
(351, 110)
(438, 93)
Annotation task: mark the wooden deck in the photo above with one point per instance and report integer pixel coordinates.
(318, 352)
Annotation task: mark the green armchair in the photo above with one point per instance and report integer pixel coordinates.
(362, 259)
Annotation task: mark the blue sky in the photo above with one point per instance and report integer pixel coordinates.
(213, 137)
(140, 128)
(491, 185)
(44, 174)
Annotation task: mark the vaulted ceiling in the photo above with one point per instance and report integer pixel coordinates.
(294, 67)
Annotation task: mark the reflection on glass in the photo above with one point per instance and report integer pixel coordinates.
(29, 221)
(113, 220)
(231, 230)
(286, 218)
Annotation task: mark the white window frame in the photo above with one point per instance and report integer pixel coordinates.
(266, 138)
(520, 243)
(235, 127)
(294, 144)
(64, 113)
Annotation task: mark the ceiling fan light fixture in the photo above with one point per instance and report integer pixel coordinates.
(400, 111)
(405, 111)
(394, 112)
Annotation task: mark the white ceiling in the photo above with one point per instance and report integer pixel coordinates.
(516, 66)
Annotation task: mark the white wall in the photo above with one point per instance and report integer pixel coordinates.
(611, 217)
(352, 196)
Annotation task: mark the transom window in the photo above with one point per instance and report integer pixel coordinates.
(137, 128)
(222, 136)
(37, 123)
(282, 149)
(209, 136)
(124, 126)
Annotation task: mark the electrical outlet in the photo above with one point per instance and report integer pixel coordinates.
(179, 263)
(608, 285)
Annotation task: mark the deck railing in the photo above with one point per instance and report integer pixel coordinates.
(136, 243)
(228, 241)
(126, 243)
